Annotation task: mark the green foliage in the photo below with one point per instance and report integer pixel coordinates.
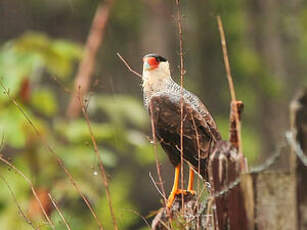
(21, 63)
(25, 57)
(57, 56)
(122, 109)
(43, 100)
(13, 127)
(124, 209)
(120, 123)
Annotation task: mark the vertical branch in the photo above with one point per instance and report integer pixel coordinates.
(226, 60)
(87, 64)
(32, 188)
(179, 23)
(59, 211)
(27, 219)
(156, 153)
(198, 164)
(232, 91)
(101, 167)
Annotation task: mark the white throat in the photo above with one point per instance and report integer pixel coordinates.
(156, 80)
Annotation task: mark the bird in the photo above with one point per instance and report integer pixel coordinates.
(162, 98)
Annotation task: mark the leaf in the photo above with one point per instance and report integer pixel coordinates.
(121, 108)
(12, 125)
(44, 101)
(57, 55)
(77, 131)
(75, 154)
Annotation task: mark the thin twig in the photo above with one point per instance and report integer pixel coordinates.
(156, 185)
(101, 167)
(198, 165)
(59, 211)
(64, 88)
(49, 148)
(139, 215)
(232, 90)
(156, 153)
(27, 219)
(32, 188)
(179, 23)
(87, 65)
(127, 65)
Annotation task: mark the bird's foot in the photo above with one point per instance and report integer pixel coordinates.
(185, 192)
(178, 192)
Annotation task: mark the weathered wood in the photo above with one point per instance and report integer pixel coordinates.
(298, 114)
(278, 199)
(224, 170)
(270, 200)
(233, 130)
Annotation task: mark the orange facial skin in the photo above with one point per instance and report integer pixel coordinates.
(152, 62)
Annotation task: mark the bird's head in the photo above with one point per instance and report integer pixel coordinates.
(153, 61)
(155, 70)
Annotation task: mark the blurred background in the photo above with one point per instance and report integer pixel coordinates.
(41, 45)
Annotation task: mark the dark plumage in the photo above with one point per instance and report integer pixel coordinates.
(164, 108)
(162, 98)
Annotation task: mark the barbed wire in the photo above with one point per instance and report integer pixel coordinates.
(296, 147)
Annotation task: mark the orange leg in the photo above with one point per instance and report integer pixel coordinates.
(191, 180)
(174, 191)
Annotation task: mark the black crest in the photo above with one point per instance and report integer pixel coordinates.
(158, 57)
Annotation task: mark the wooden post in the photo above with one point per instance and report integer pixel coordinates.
(269, 199)
(278, 199)
(224, 171)
(298, 115)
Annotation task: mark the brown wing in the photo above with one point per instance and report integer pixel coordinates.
(206, 117)
(198, 134)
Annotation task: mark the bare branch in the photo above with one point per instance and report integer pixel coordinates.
(179, 23)
(101, 167)
(27, 219)
(139, 215)
(156, 153)
(59, 211)
(127, 65)
(232, 92)
(87, 65)
(156, 185)
(32, 188)
(226, 59)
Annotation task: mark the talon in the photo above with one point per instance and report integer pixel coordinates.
(185, 192)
